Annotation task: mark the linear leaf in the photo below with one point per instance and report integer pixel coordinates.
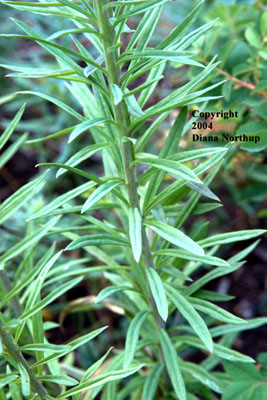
(82, 155)
(148, 5)
(203, 189)
(77, 171)
(19, 198)
(170, 270)
(59, 379)
(213, 274)
(57, 102)
(203, 376)
(176, 237)
(172, 364)
(64, 198)
(99, 193)
(170, 147)
(74, 344)
(28, 241)
(231, 237)
(117, 93)
(215, 311)
(97, 240)
(230, 328)
(158, 292)
(100, 380)
(11, 150)
(11, 127)
(179, 31)
(83, 126)
(25, 380)
(162, 55)
(50, 298)
(190, 314)
(132, 337)
(210, 260)
(135, 231)
(219, 350)
(133, 106)
(51, 348)
(173, 168)
(152, 382)
(109, 291)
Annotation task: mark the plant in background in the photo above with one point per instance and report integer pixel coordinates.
(141, 244)
(239, 40)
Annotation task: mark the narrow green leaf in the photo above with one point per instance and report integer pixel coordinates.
(175, 56)
(38, 283)
(179, 31)
(135, 232)
(203, 189)
(74, 344)
(109, 291)
(99, 193)
(117, 93)
(59, 379)
(158, 292)
(11, 150)
(48, 347)
(100, 380)
(11, 127)
(176, 237)
(172, 364)
(28, 241)
(148, 5)
(84, 126)
(215, 311)
(210, 260)
(94, 367)
(97, 240)
(231, 237)
(174, 168)
(133, 106)
(63, 167)
(230, 328)
(170, 270)
(213, 274)
(170, 147)
(62, 132)
(219, 350)
(25, 380)
(201, 375)
(152, 382)
(18, 199)
(190, 314)
(132, 337)
(210, 295)
(6, 380)
(201, 208)
(83, 155)
(29, 277)
(50, 298)
(58, 103)
(61, 200)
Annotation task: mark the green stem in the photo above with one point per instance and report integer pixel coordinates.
(127, 151)
(17, 356)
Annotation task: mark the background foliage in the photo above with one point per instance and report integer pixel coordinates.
(238, 39)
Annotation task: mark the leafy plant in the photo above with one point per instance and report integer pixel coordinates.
(239, 40)
(144, 249)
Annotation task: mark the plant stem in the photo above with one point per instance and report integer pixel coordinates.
(17, 356)
(127, 150)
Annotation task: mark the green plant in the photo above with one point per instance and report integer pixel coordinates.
(146, 254)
